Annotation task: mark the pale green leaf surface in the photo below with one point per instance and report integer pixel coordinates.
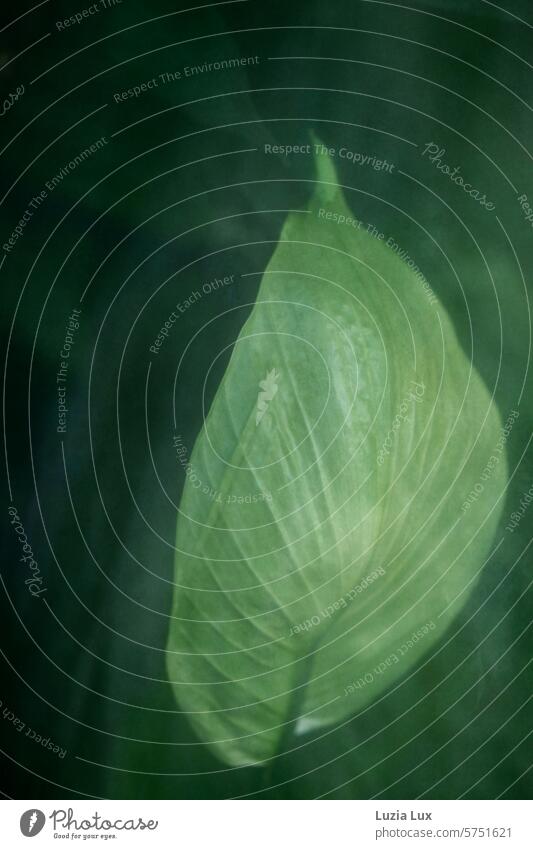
(346, 332)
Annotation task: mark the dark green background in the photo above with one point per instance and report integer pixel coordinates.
(87, 668)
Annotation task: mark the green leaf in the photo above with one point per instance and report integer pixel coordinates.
(341, 497)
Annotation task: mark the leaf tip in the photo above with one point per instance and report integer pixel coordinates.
(327, 184)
